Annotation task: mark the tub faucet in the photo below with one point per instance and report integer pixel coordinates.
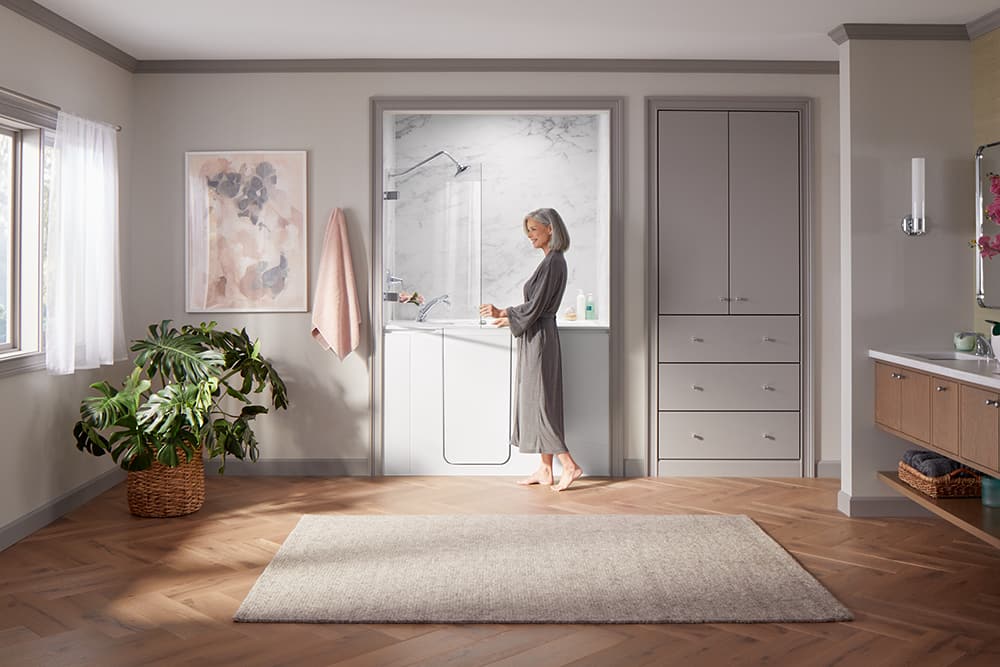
(426, 307)
(983, 347)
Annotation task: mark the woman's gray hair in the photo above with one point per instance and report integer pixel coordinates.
(551, 219)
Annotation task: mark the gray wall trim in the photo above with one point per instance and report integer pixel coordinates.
(616, 107)
(39, 518)
(28, 110)
(488, 65)
(71, 31)
(916, 31)
(293, 468)
(984, 24)
(828, 469)
(26, 363)
(635, 468)
(804, 106)
(879, 506)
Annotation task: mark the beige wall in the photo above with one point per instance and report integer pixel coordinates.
(900, 99)
(328, 114)
(37, 411)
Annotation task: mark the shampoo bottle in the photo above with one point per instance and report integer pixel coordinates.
(581, 305)
(591, 309)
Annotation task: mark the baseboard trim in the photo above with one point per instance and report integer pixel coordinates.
(18, 529)
(294, 468)
(830, 469)
(878, 506)
(635, 468)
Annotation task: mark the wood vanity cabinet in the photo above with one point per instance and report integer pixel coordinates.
(902, 401)
(957, 419)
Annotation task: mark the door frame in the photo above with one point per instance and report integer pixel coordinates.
(804, 107)
(615, 106)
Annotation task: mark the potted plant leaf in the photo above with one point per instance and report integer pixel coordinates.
(191, 391)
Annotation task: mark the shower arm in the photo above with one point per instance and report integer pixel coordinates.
(458, 164)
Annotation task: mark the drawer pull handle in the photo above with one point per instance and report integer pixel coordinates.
(724, 298)
(697, 436)
(767, 436)
(940, 388)
(741, 298)
(897, 376)
(767, 387)
(767, 339)
(695, 339)
(697, 388)
(993, 404)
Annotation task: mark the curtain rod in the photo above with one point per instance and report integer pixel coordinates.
(47, 105)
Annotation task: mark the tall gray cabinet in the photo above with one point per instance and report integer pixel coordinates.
(728, 273)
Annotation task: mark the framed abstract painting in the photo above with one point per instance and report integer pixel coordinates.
(245, 245)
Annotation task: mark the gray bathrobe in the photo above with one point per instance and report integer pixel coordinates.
(538, 394)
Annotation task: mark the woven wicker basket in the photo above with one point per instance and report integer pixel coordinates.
(162, 491)
(961, 483)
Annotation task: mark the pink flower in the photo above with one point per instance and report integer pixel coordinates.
(989, 248)
(995, 183)
(993, 211)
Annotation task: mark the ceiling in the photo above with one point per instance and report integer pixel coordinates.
(658, 29)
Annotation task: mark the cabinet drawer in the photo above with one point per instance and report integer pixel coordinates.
(728, 435)
(719, 339)
(728, 387)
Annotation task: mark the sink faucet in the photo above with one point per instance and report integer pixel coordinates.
(983, 347)
(426, 307)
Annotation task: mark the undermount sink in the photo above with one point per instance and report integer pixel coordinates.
(949, 356)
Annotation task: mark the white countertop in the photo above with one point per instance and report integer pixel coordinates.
(437, 325)
(962, 366)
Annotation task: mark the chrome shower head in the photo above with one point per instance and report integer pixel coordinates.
(459, 166)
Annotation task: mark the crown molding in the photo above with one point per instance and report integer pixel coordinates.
(488, 65)
(902, 31)
(984, 24)
(71, 31)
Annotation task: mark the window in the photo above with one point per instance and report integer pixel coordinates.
(25, 168)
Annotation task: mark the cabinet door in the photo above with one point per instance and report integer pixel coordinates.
(914, 404)
(887, 391)
(979, 420)
(764, 212)
(944, 415)
(692, 212)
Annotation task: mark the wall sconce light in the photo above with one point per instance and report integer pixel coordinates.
(913, 224)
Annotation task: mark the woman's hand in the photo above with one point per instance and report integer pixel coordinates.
(501, 322)
(489, 310)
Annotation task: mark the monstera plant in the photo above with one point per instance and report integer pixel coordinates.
(192, 390)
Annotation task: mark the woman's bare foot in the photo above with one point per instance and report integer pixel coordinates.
(540, 476)
(567, 478)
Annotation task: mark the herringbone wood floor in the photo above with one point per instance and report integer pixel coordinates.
(100, 587)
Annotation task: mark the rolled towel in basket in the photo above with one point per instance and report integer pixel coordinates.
(931, 464)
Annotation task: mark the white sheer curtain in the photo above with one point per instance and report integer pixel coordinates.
(83, 291)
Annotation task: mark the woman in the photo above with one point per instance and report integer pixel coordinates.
(538, 399)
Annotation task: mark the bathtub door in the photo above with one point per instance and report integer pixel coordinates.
(477, 396)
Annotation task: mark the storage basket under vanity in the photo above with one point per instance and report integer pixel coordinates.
(961, 483)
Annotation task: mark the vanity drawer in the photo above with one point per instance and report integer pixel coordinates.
(728, 387)
(728, 435)
(707, 338)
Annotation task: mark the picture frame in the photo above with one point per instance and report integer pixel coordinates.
(246, 236)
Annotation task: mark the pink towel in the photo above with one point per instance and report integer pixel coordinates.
(336, 316)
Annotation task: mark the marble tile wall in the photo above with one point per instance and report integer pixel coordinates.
(463, 235)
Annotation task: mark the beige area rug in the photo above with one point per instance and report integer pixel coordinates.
(535, 569)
